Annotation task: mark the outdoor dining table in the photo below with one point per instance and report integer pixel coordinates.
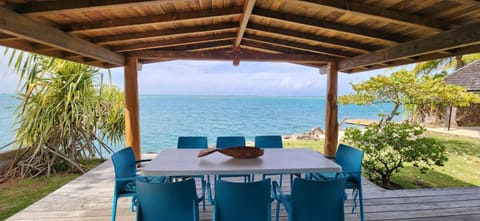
(184, 162)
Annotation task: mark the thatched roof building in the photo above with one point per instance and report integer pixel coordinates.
(468, 76)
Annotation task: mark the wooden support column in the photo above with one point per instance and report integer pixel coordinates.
(132, 116)
(331, 113)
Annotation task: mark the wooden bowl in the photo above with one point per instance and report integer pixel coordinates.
(235, 152)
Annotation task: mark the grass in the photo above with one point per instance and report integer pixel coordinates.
(17, 194)
(461, 170)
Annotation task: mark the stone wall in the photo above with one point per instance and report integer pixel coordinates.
(468, 116)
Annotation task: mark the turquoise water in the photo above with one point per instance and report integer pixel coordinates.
(164, 118)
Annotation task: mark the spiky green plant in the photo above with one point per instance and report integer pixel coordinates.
(66, 114)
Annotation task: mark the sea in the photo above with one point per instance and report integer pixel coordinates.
(165, 117)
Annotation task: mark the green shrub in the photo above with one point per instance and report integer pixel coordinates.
(389, 146)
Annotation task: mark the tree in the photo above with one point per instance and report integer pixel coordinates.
(389, 146)
(410, 89)
(65, 115)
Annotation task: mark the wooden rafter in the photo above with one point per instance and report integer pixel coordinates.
(311, 37)
(247, 12)
(42, 7)
(199, 46)
(331, 26)
(173, 42)
(146, 20)
(300, 46)
(181, 32)
(383, 14)
(18, 25)
(272, 48)
(246, 56)
(457, 38)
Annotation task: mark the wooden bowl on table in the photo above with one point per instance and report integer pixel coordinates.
(235, 152)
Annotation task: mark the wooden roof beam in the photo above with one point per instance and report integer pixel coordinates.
(146, 20)
(43, 7)
(173, 42)
(247, 12)
(18, 25)
(198, 46)
(383, 14)
(206, 55)
(303, 47)
(457, 38)
(181, 32)
(272, 48)
(331, 26)
(311, 37)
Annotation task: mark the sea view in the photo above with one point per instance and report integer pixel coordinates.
(163, 117)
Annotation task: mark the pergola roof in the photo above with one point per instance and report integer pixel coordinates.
(358, 34)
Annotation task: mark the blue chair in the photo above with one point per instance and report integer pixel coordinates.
(242, 201)
(194, 143)
(125, 167)
(350, 159)
(313, 200)
(232, 141)
(167, 201)
(269, 141)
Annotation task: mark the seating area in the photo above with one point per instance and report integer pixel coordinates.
(76, 201)
(165, 196)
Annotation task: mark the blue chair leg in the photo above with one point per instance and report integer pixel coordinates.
(277, 213)
(114, 207)
(360, 197)
(203, 190)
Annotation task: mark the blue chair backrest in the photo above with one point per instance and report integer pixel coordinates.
(192, 142)
(350, 159)
(124, 165)
(231, 141)
(268, 141)
(243, 201)
(317, 200)
(167, 201)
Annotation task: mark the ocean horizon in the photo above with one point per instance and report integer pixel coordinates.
(165, 117)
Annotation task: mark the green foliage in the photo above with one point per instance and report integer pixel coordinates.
(389, 146)
(414, 90)
(65, 115)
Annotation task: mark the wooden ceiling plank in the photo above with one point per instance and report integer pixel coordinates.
(303, 47)
(65, 7)
(181, 32)
(331, 26)
(247, 12)
(158, 19)
(311, 37)
(383, 14)
(206, 55)
(272, 48)
(18, 25)
(457, 38)
(198, 46)
(173, 42)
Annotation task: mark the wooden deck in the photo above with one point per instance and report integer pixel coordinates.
(89, 197)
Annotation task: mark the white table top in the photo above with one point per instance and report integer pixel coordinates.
(184, 162)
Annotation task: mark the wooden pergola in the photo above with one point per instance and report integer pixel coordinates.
(332, 35)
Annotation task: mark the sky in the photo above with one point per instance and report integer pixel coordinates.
(221, 78)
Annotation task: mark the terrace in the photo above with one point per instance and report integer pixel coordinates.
(348, 36)
(77, 201)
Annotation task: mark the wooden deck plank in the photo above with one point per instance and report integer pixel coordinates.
(89, 197)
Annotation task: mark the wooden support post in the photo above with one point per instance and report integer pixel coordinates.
(132, 116)
(331, 113)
